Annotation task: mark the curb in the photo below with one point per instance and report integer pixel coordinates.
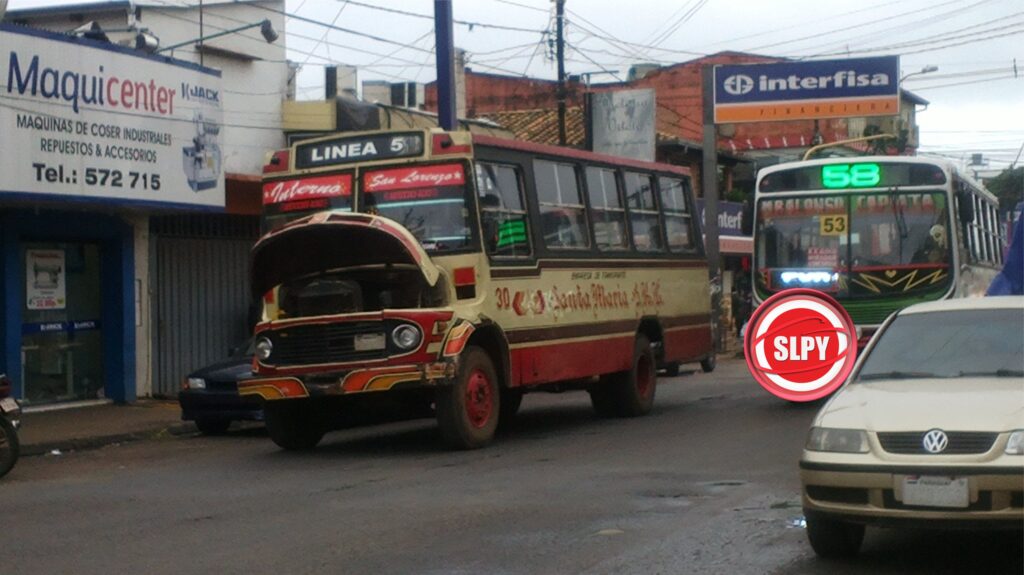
(88, 443)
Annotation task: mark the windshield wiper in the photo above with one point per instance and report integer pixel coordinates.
(1002, 372)
(897, 375)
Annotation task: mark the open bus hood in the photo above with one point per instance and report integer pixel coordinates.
(328, 240)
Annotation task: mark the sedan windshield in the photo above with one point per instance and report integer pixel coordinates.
(964, 343)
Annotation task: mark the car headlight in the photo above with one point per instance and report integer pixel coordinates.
(406, 337)
(195, 383)
(1015, 445)
(837, 440)
(263, 349)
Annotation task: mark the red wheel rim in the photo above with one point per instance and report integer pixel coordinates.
(644, 376)
(479, 399)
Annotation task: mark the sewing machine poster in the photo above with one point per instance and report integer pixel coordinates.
(45, 275)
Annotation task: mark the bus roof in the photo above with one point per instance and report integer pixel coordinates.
(575, 154)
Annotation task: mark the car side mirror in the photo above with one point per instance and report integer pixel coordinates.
(233, 351)
(747, 217)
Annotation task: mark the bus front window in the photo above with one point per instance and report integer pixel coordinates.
(429, 201)
(819, 241)
(908, 231)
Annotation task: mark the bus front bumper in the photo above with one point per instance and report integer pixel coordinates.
(350, 382)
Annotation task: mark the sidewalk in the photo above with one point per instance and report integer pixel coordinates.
(99, 425)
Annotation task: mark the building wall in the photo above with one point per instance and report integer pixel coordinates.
(679, 104)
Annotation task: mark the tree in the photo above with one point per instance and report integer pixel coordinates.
(1008, 187)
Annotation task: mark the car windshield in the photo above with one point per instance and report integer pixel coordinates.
(960, 343)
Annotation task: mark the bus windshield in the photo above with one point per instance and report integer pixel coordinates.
(430, 201)
(851, 232)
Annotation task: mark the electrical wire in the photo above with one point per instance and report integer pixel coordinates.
(470, 25)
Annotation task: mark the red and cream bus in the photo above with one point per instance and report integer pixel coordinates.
(459, 271)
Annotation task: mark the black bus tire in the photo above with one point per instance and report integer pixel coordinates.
(292, 424)
(468, 410)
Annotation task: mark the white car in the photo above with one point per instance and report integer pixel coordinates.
(928, 431)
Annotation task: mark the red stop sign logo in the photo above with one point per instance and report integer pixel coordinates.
(800, 345)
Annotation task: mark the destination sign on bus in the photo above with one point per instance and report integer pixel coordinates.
(851, 176)
(353, 149)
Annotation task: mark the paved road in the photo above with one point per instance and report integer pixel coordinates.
(706, 484)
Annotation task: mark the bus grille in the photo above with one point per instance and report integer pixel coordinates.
(322, 343)
(960, 442)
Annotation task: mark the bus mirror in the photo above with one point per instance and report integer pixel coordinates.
(747, 217)
(965, 203)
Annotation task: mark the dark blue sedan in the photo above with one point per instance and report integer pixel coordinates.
(209, 395)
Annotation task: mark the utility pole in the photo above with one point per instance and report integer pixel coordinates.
(560, 55)
(709, 183)
(447, 115)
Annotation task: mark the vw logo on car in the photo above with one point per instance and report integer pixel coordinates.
(935, 441)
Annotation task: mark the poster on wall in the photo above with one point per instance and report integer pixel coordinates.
(45, 274)
(82, 119)
(622, 123)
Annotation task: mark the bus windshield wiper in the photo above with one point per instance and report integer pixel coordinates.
(897, 375)
(1001, 372)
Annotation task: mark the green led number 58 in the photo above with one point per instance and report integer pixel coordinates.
(850, 175)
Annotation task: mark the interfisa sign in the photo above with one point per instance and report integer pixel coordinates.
(854, 87)
(80, 119)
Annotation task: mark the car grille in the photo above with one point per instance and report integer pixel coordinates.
(960, 442)
(322, 343)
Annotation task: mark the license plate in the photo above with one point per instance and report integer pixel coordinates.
(7, 404)
(369, 342)
(935, 491)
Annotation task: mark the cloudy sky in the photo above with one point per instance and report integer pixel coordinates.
(976, 95)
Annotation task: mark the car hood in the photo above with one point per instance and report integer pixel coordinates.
(960, 404)
(333, 240)
(234, 369)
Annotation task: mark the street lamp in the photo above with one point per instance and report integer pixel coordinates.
(926, 70)
(266, 30)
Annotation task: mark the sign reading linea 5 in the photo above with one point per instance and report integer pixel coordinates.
(807, 90)
(82, 119)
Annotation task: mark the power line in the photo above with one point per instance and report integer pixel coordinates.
(824, 33)
(338, 28)
(470, 25)
(520, 5)
(922, 42)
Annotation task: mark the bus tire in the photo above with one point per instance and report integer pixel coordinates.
(708, 364)
(10, 447)
(468, 410)
(511, 399)
(603, 398)
(629, 393)
(292, 424)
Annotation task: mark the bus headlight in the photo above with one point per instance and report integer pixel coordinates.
(263, 349)
(406, 337)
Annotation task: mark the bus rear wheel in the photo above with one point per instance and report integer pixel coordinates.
(629, 393)
(293, 424)
(468, 410)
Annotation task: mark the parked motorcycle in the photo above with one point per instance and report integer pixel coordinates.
(10, 419)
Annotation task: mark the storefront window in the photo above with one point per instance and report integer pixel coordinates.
(61, 341)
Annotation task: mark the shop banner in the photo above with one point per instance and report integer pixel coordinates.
(730, 217)
(45, 274)
(84, 119)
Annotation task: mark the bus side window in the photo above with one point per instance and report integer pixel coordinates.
(502, 213)
(674, 193)
(643, 212)
(607, 209)
(563, 216)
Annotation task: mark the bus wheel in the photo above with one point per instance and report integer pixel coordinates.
(468, 410)
(511, 399)
(629, 393)
(292, 424)
(708, 363)
(672, 369)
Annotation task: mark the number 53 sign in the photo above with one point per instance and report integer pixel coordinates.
(832, 225)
